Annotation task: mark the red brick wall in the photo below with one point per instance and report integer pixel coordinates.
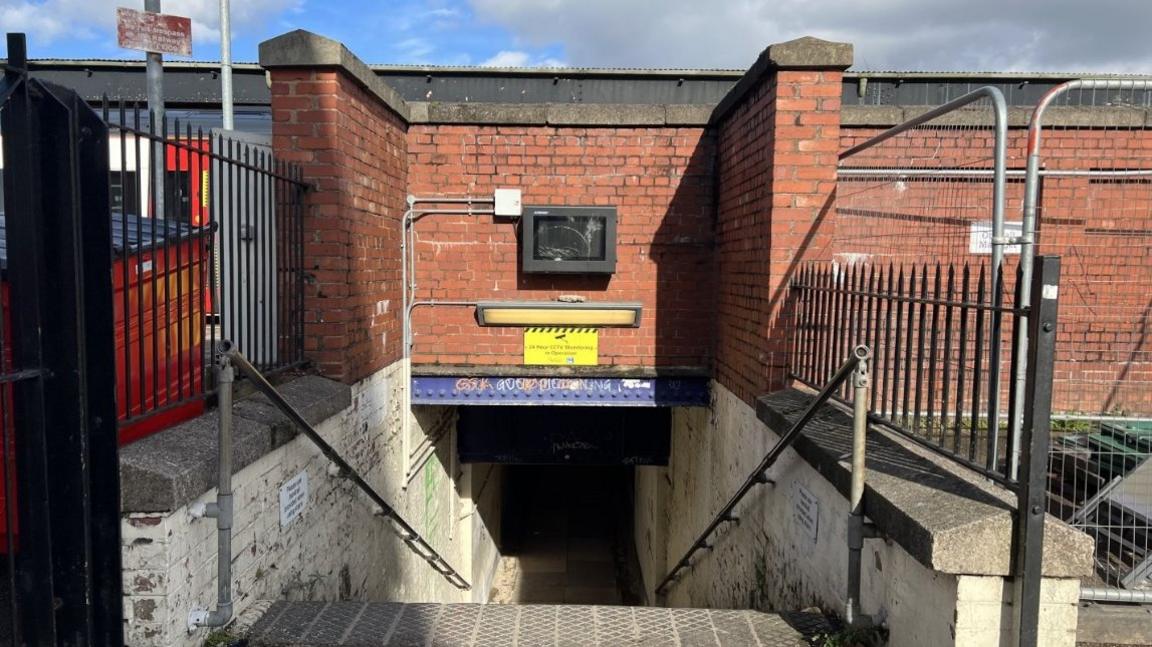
(658, 178)
(1101, 227)
(776, 177)
(353, 149)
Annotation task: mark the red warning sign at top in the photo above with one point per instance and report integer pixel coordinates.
(153, 32)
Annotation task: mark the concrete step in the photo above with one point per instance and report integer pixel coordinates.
(324, 624)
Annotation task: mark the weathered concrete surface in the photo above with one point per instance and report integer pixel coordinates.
(949, 523)
(167, 470)
(467, 625)
(559, 114)
(774, 559)
(304, 49)
(805, 53)
(336, 548)
(1115, 624)
(1018, 117)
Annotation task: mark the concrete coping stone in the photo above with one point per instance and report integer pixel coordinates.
(560, 114)
(945, 516)
(804, 53)
(304, 49)
(178, 465)
(1018, 116)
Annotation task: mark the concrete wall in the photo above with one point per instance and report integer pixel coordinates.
(770, 561)
(336, 549)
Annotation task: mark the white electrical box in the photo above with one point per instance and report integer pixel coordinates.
(507, 202)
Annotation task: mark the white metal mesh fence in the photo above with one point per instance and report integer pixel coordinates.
(1095, 211)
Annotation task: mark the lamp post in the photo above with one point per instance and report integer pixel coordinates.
(226, 64)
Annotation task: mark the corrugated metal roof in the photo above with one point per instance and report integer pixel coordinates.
(601, 71)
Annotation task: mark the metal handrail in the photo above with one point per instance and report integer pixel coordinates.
(406, 532)
(860, 354)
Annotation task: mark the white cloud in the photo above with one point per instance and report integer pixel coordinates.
(48, 21)
(508, 58)
(993, 35)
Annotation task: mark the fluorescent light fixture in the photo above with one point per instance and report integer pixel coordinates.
(555, 313)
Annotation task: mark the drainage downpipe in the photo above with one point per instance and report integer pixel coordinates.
(857, 530)
(221, 510)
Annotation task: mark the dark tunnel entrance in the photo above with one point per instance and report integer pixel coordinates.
(566, 533)
(566, 522)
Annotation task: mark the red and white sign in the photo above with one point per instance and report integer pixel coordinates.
(153, 32)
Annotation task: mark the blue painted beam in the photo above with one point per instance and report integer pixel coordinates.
(562, 391)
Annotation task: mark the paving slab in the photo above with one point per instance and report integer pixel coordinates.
(390, 624)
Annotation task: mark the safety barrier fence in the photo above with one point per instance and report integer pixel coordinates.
(208, 241)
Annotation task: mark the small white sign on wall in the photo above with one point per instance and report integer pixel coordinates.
(806, 511)
(980, 237)
(293, 498)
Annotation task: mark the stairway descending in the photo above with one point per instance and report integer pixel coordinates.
(393, 624)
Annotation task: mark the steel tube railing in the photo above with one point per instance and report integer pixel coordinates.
(758, 475)
(999, 239)
(406, 532)
(1028, 235)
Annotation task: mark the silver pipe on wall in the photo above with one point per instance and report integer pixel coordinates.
(221, 510)
(408, 289)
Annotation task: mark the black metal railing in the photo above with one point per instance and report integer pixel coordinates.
(936, 334)
(208, 243)
(407, 533)
(60, 579)
(759, 475)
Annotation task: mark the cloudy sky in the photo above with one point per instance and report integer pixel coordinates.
(994, 35)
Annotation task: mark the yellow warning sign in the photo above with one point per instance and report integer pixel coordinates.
(561, 346)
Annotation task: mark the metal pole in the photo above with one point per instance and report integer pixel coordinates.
(155, 92)
(226, 64)
(1032, 493)
(860, 383)
(999, 180)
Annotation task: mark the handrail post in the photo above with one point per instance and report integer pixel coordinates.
(861, 379)
(759, 475)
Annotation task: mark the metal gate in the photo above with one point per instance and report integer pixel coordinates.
(60, 548)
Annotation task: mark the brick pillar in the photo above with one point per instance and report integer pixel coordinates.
(778, 132)
(347, 130)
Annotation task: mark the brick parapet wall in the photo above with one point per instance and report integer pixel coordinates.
(777, 176)
(352, 148)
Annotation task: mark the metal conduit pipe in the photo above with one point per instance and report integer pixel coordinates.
(1028, 235)
(408, 289)
(221, 509)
